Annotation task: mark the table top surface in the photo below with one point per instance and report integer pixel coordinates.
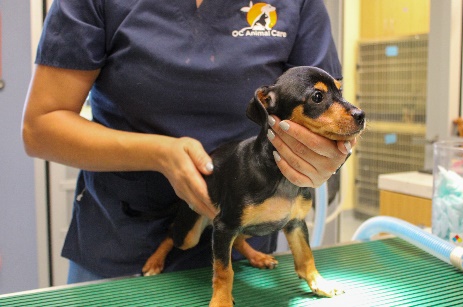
(388, 272)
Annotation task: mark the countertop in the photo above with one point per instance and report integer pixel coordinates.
(409, 183)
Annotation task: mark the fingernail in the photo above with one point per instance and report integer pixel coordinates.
(277, 157)
(271, 121)
(348, 146)
(209, 166)
(284, 126)
(270, 134)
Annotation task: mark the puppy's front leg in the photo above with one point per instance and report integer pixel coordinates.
(298, 238)
(222, 281)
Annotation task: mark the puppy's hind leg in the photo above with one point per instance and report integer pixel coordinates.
(155, 263)
(298, 238)
(185, 233)
(255, 258)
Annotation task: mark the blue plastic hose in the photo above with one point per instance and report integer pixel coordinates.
(430, 243)
(321, 208)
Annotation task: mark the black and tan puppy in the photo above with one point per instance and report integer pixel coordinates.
(253, 196)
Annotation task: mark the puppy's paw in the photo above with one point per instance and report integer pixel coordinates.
(153, 267)
(221, 302)
(322, 287)
(263, 261)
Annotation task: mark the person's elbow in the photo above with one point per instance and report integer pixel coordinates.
(30, 138)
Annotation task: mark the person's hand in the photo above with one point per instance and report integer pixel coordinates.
(182, 164)
(306, 159)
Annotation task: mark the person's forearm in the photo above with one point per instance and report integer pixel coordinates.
(67, 138)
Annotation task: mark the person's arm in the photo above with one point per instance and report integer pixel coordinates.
(53, 130)
(305, 158)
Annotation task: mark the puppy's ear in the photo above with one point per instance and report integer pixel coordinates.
(264, 98)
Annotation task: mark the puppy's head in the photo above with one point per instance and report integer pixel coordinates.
(312, 98)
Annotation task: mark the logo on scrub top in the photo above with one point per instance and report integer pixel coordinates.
(261, 17)
(457, 239)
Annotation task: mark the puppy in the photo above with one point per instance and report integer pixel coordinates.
(253, 197)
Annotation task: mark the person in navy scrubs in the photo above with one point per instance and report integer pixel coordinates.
(169, 81)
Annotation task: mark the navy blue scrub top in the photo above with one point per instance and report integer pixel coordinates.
(170, 68)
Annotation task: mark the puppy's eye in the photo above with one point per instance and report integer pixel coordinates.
(317, 97)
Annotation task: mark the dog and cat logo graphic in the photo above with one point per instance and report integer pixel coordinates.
(262, 18)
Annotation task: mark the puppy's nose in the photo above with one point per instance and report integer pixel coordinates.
(359, 116)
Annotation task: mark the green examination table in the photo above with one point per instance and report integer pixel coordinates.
(386, 272)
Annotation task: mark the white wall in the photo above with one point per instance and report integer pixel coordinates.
(444, 71)
(18, 243)
(351, 32)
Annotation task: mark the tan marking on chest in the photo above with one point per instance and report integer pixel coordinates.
(301, 208)
(272, 210)
(275, 209)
